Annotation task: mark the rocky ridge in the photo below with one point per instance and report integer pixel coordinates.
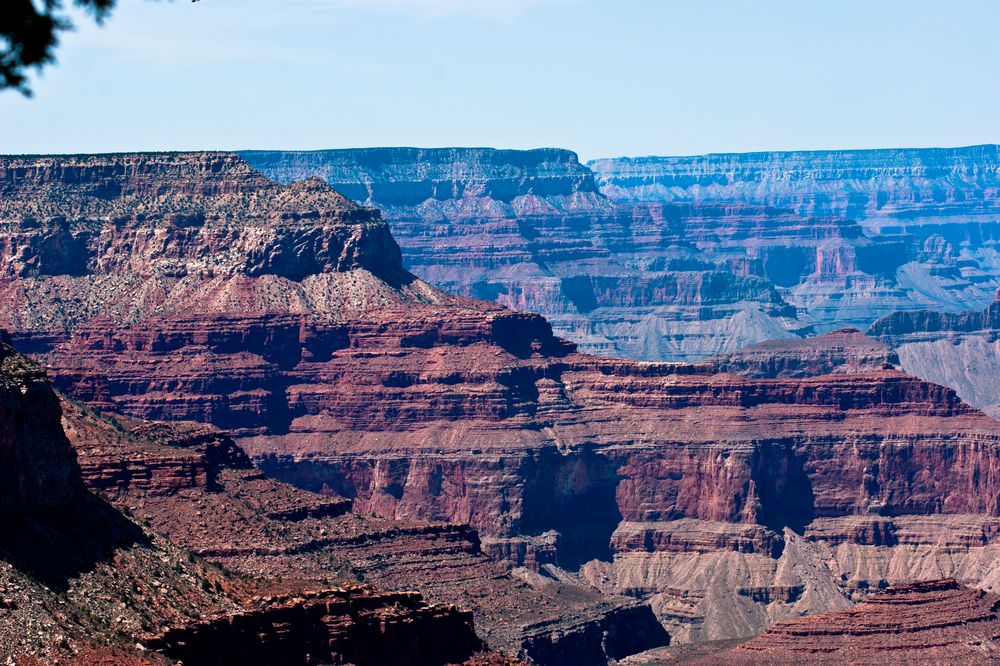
(932, 622)
(82, 583)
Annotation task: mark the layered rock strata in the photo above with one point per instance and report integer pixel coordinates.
(81, 583)
(960, 350)
(728, 501)
(236, 516)
(685, 257)
(858, 184)
(530, 230)
(933, 622)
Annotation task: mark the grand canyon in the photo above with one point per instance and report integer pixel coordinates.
(443, 406)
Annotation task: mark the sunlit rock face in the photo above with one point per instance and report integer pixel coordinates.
(531, 231)
(683, 258)
(725, 494)
(935, 621)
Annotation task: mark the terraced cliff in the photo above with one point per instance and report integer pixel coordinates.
(905, 183)
(686, 257)
(726, 501)
(531, 231)
(81, 583)
(931, 622)
(959, 350)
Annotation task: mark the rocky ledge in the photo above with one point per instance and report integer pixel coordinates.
(939, 622)
(82, 583)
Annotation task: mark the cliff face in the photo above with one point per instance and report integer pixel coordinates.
(83, 584)
(960, 350)
(856, 184)
(39, 468)
(727, 501)
(685, 257)
(194, 484)
(407, 177)
(530, 230)
(939, 206)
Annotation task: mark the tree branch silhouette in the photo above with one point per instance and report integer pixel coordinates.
(29, 35)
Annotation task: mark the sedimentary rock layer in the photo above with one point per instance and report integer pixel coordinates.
(938, 622)
(81, 583)
(728, 501)
(232, 514)
(850, 183)
(686, 257)
(530, 230)
(959, 350)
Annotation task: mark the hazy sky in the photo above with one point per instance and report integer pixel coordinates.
(602, 77)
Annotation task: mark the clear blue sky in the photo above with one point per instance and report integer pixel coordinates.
(602, 77)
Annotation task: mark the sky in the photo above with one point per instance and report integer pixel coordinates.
(601, 77)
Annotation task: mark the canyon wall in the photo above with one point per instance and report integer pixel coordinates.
(81, 583)
(960, 350)
(683, 258)
(192, 483)
(930, 622)
(725, 500)
(856, 184)
(531, 231)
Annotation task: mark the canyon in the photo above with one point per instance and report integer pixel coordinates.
(682, 258)
(418, 440)
(959, 350)
(82, 583)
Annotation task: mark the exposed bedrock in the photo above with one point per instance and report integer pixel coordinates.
(937, 622)
(682, 258)
(700, 491)
(258, 525)
(959, 350)
(850, 183)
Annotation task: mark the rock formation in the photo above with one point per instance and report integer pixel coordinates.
(845, 350)
(959, 350)
(193, 484)
(857, 184)
(530, 230)
(728, 501)
(939, 622)
(39, 470)
(81, 583)
(685, 257)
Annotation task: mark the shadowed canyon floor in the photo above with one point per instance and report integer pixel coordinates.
(724, 495)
